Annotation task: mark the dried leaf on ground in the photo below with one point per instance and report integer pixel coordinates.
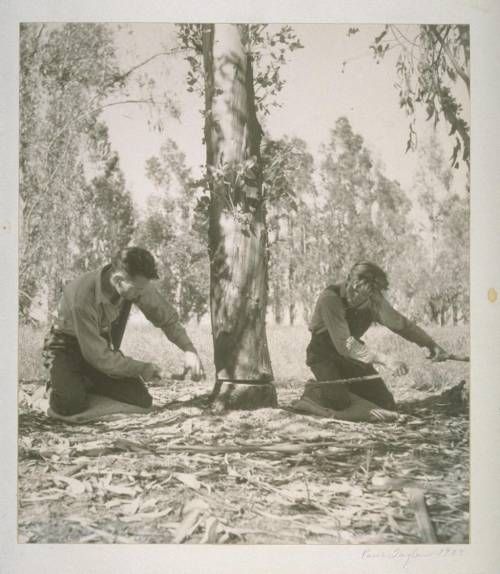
(188, 479)
(75, 487)
(191, 518)
(262, 476)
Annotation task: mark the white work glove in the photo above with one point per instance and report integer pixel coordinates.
(193, 365)
(398, 368)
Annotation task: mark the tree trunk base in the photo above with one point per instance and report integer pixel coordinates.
(244, 397)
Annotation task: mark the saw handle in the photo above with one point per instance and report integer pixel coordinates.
(452, 357)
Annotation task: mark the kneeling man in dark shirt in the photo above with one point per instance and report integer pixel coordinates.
(82, 349)
(342, 314)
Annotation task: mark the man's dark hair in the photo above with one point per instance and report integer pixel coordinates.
(135, 261)
(368, 272)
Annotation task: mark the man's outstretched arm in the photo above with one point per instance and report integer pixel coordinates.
(164, 316)
(402, 326)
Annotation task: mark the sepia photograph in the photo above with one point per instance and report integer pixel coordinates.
(244, 283)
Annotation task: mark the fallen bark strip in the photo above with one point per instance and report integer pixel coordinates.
(389, 484)
(416, 496)
(286, 448)
(417, 504)
(282, 448)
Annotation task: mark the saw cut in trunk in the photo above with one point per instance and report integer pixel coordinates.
(237, 223)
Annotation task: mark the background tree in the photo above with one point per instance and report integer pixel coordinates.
(432, 65)
(69, 176)
(234, 92)
(104, 209)
(319, 218)
(268, 45)
(446, 233)
(290, 192)
(65, 74)
(237, 227)
(364, 213)
(175, 231)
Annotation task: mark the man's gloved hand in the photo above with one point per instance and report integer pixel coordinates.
(437, 353)
(151, 372)
(398, 368)
(193, 364)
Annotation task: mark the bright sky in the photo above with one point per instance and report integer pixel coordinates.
(317, 92)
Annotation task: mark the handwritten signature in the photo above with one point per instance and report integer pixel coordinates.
(406, 556)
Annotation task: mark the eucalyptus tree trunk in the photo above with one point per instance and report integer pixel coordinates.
(237, 227)
(277, 288)
(292, 266)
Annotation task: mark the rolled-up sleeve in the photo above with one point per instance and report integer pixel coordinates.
(388, 316)
(96, 350)
(164, 316)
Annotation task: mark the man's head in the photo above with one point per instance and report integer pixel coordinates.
(132, 269)
(364, 281)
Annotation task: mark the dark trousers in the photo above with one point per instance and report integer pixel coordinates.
(328, 364)
(72, 378)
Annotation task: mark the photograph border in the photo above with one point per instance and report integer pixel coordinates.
(482, 555)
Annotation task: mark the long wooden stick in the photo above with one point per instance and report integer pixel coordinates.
(416, 496)
(425, 526)
(279, 447)
(454, 357)
(350, 380)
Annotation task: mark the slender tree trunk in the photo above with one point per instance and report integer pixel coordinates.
(178, 298)
(277, 305)
(454, 310)
(277, 291)
(54, 292)
(237, 228)
(28, 286)
(465, 313)
(442, 314)
(292, 306)
(434, 313)
(304, 297)
(291, 270)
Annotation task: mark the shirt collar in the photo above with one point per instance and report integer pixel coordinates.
(100, 296)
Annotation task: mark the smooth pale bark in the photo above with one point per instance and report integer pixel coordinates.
(237, 229)
(292, 266)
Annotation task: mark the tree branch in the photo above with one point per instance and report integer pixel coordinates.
(458, 69)
(412, 42)
(37, 39)
(97, 109)
(117, 79)
(436, 61)
(125, 75)
(121, 102)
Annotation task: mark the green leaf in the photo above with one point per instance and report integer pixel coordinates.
(379, 38)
